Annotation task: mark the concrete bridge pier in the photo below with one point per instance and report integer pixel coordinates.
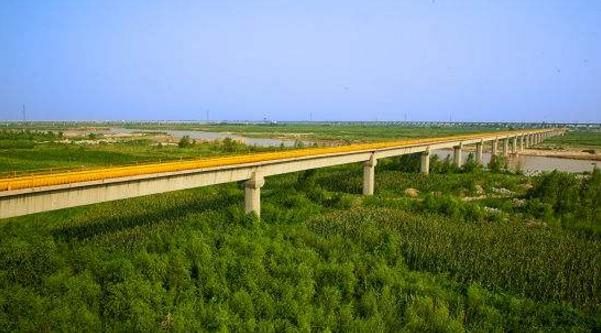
(369, 175)
(522, 143)
(479, 149)
(425, 162)
(457, 155)
(495, 147)
(514, 145)
(252, 194)
(505, 147)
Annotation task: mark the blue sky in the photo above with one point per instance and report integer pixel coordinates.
(286, 60)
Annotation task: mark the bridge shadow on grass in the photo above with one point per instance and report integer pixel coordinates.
(105, 224)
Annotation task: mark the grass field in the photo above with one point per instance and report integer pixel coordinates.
(575, 139)
(20, 152)
(323, 257)
(465, 250)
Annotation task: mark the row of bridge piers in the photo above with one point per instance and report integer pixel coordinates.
(517, 144)
(35, 194)
(499, 146)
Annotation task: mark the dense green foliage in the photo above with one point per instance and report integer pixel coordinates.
(576, 201)
(19, 139)
(321, 258)
(464, 250)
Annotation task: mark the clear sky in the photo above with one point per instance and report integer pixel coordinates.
(501, 60)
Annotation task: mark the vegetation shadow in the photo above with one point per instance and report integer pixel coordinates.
(105, 224)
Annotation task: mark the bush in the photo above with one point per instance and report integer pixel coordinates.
(539, 209)
(576, 201)
(185, 142)
(445, 166)
(230, 145)
(497, 163)
(471, 164)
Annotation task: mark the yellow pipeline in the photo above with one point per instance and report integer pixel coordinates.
(50, 179)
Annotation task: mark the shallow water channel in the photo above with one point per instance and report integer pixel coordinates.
(533, 164)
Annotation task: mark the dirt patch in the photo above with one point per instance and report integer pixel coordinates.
(574, 154)
(411, 192)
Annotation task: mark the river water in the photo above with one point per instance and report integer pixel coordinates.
(533, 164)
(529, 164)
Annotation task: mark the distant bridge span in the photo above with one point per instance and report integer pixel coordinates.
(45, 192)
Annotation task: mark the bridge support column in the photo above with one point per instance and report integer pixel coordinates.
(457, 155)
(522, 143)
(495, 147)
(514, 145)
(479, 149)
(252, 194)
(369, 175)
(425, 162)
(505, 147)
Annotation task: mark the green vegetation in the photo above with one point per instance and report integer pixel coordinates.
(20, 139)
(576, 202)
(584, 139)
(323, 257)
(457, 250)
(23, 151)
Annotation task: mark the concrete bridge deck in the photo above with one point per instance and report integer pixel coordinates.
(44, 192)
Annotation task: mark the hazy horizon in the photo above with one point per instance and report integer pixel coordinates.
(436, 60)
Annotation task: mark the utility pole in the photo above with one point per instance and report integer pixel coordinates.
(23, 112)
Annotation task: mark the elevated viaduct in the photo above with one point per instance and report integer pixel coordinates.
(45, 192)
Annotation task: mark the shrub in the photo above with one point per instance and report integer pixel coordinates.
(576, 201)
(471, 164)
(497, 163)
(185, 142)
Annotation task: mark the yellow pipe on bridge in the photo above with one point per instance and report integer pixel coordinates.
(69, 177)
